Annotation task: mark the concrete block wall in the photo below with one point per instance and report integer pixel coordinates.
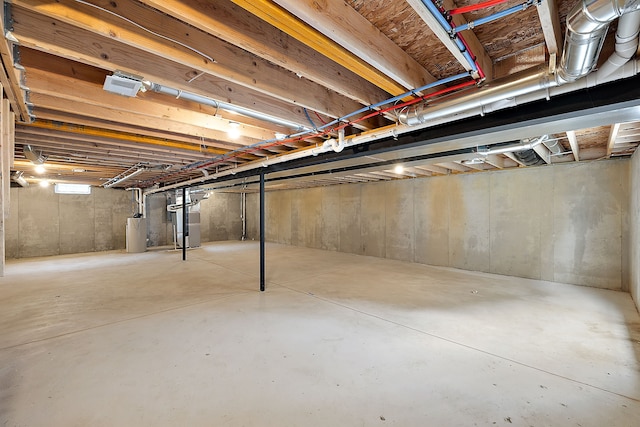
(43, 223)
(634, 230)
(566, 223)
(219, 219)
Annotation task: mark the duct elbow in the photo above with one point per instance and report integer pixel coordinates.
(409, 118)
(587, 26)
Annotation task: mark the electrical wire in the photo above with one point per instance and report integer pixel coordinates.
(320, 118)
(474, 7)
(204, 55)
(336, 126)
(306, 113)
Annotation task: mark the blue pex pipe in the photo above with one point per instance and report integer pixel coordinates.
(490, 18)
(449, 29)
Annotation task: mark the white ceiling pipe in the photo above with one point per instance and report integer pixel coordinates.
(628, 70)
(626, 43)
(177, 93)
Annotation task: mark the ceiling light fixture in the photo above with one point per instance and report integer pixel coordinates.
(40, 169)
(122, 83)
(398, 169)
(234, 130)
(44, 183)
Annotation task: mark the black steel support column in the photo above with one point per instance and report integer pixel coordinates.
(262, 254)
(184, 224)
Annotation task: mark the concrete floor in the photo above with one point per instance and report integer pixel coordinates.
(116, 339)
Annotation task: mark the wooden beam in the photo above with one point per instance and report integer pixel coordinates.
(78, 141)
(342, 24)
(59, 39)
(241, 28)
(119, 136)
(435, 169)
(473, 166)
(120, 156)
(184, 121)
(8, 122)
(573, 142)
(550, 21)
(477, 48)
(9, 76)
(613, 136)
(515, 159)
(439, 32)
(453, 166)
(231, 63)
(495, 160)
(77, 120)
(4, 180)
(131, 118)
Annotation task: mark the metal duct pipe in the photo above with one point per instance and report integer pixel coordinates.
(626, 43)
(36, 157)
(177, 93)
(586, 28)
(498, 90)
(529, 145)
(554, 146)
(124, 178)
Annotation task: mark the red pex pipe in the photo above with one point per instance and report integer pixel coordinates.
(474, 7)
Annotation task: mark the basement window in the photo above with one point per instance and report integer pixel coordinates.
(73, 189)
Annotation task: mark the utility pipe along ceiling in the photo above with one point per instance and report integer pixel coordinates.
(165, 94)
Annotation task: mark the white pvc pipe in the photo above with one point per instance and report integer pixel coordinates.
(626, 43)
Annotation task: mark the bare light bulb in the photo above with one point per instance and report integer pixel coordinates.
(234, 130)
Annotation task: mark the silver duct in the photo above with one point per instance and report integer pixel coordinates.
(586, 28)
(528, 144)
(177, 93)
(493, 92)
(36, 157)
